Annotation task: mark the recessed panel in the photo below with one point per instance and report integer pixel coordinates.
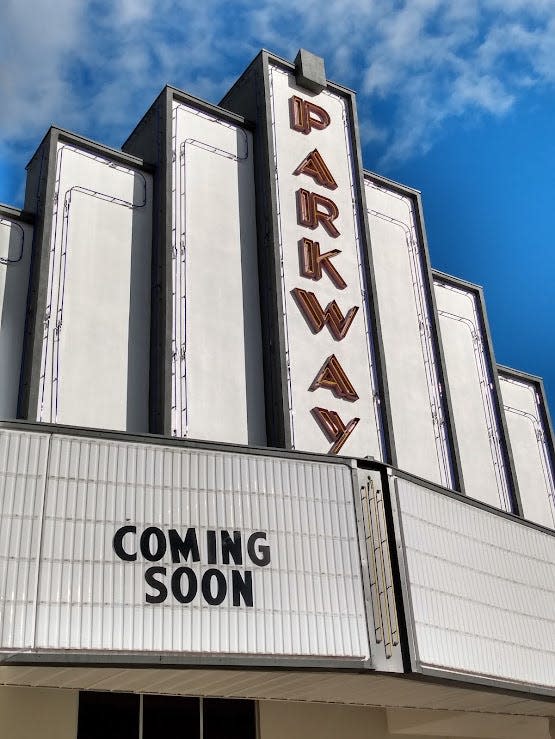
(217, 377)
(15, 256)
(95, 354)
(530, 446)
(473, 398)
(23, 461)
(406, 318)
(480, 589)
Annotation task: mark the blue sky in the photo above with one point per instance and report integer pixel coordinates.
(455, 97)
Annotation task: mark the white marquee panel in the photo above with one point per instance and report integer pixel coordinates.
(307, 598)
(217, 379)
(95, 354)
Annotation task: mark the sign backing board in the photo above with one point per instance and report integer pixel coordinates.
(283, 581)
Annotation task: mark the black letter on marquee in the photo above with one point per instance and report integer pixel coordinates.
(222, 587)
(262, 557)
(211, 544)
(231, 546)
(160, 544)
(176, 585)
(156, 584)
(118, 543)
(183, 546)
(242, 587)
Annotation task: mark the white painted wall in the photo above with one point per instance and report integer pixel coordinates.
(302, 720)
(29, 712)
(528, 437)
(412, 367)
(95, 358)
(329, 721)
(307, 352)
(217, 377)
(15, 256)
(472, 395)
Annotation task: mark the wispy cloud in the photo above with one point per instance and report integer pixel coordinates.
(94, 66)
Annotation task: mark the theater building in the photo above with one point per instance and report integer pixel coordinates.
(260, 474)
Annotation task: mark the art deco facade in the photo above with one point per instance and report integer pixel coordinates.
(260, 474)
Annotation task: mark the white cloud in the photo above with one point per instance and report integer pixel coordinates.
(96, 65)
(33, 76)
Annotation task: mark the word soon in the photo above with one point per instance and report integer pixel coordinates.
(213, 583)
(221, 546)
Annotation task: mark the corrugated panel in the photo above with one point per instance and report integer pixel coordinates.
(94, 365)
(217, 377)
(482, 588)
(473, 397)
(23, 459)
(307, 601)
(530, 445)
(15, 258)
(413, 372)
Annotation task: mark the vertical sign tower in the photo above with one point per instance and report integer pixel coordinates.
(325, 383)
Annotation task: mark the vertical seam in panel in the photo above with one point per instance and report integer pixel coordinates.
(39, 543)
